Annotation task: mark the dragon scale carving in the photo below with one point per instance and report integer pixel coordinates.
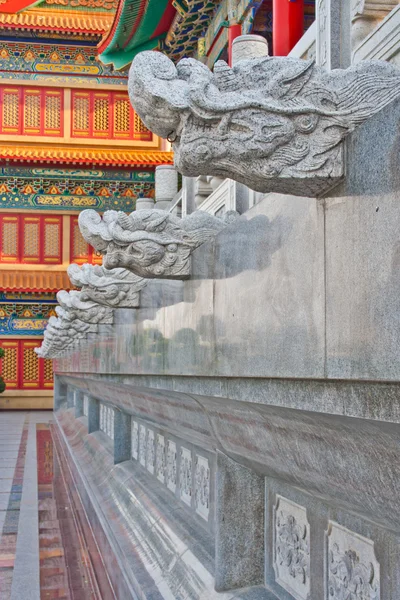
(150, 243)
(116, 288)
(273, 123)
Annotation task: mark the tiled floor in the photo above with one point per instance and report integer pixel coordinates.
(41, 548)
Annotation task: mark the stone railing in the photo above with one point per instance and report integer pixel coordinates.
(221, 198)
(306, 46)
(179, 467)
(383, 43)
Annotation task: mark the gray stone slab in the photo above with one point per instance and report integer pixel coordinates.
(239, 544)
(4, 441)
(4, 499)
(9, 453)
(363, 257)
(25, 583)
(6, 473)
(268, 315)
(5, 485)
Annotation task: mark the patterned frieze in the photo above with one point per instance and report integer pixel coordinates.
(352, 570)
(27, 298)
(24, 319)
(292, 548)
(183, 470)
(224, 129)
(59, 189)
(28, 58)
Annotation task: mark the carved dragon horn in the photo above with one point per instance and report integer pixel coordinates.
(156, 92)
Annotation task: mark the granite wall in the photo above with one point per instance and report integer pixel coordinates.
(268, 387)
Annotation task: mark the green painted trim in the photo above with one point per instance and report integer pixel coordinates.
(154, 12)
(127, 19)
(118, 55)
(120, 60)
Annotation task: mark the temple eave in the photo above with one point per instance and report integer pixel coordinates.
(84, 156)
(61, 22)
(34, 281)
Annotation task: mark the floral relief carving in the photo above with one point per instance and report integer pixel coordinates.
(292, 548)
(135, 440)
(142, 445)
(353, 573)
(160, 458)
(171, 466)
(150, 451)
(185, 476)
(202, 487)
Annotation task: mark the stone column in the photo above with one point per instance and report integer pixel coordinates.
(60, 392)
(122, 436)
(333, 19)
(248, 46)
(145, 204)
(78, 404)
(93, 415)
(166, 186)
(188, 193)
(240, 509)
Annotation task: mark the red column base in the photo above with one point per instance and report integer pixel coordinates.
(233, 32)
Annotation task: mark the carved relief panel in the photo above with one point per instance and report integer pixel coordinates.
(351, 569)
(186, 476)
(135, 439)
(202, 487)
(292, 548)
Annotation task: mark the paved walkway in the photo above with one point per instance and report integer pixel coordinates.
(19, 511)
(43, 552)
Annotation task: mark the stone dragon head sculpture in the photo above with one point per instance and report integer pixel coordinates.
(150, 243)
(61, 334)
(273, 123)
(116, 288)
(73, 306)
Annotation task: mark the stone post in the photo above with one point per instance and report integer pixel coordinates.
(145, 203)
(122, 436)
(70, 397)
(240, 509)
(333, 19)
(60, 392)
(188, 194)
(248, 46)
(166, 186)
(93, 415)
(78, 404)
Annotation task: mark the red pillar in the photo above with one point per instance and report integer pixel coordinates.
(233, 32)
(288, 25)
